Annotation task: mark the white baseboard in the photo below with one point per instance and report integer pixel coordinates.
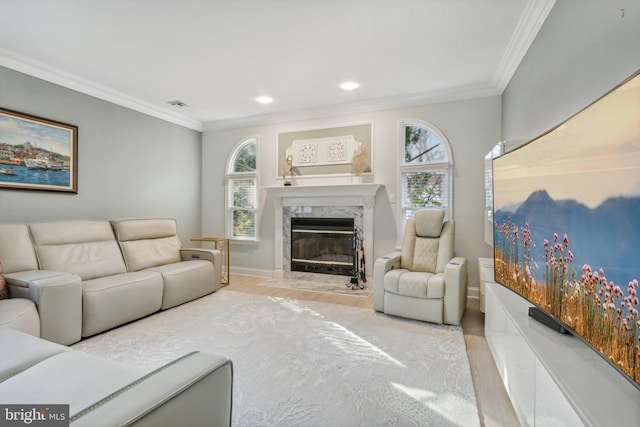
(252, 272)
(473, 292)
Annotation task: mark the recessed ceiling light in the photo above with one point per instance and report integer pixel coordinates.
(349, 85)
(264, 99)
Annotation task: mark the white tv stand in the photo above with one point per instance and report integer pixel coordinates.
(553, 379)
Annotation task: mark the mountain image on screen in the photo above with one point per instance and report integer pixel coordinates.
(605, 237)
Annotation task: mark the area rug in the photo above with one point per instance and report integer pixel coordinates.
(307, 363)
(307, 285)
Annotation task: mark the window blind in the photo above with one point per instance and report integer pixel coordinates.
(241, 200)
(424, 188)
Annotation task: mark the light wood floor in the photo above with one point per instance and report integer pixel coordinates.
(494, 406)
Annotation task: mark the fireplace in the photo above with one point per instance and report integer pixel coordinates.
(355, 201)
(323, 245)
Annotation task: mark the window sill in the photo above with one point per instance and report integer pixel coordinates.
(242, 242)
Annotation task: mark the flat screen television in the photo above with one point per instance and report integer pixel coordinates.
(566, 215)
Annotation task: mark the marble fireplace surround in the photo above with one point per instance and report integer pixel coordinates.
(339, 201)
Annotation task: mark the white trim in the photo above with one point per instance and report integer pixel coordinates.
(55, 75)
(440, 95)
(229, 174)
(417, 122)
(473, 292)
(256, 272)
(404, 167)
(531, 20)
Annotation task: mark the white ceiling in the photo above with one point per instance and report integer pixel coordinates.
(217, 56)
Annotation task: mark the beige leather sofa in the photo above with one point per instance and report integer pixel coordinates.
(85, 278)
(194, 390)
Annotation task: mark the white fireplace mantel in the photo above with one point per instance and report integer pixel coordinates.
(363, 195)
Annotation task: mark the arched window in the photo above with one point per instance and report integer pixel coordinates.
(241, 183)
(425, 169)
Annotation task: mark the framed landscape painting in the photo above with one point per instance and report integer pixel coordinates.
(37, 153)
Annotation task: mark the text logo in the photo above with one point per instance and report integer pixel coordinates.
(34, 415)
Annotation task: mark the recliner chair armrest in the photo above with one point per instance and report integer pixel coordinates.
(188, 254)
(212, 255)
(382, 265)
(455, 290)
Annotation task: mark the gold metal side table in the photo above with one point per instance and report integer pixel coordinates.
(223, 245)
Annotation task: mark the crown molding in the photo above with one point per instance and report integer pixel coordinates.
(534, 14)
(530, 22)
(431, 97)
(51, 74)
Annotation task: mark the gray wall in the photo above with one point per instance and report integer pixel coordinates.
(129, 164)
(583, 50)
(472, 128)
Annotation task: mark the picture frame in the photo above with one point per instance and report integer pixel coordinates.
(37, 153)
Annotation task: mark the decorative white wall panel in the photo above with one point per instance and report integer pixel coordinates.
(334, 150)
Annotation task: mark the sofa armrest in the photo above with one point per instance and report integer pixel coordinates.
(382, 265)
(213, 255)
(195, 389)
(455, 290)
(59, 301)
(58, 297)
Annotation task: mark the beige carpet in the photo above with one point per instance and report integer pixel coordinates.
(307, 363)
(306, 285)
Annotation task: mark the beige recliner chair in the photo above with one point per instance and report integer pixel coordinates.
(424, 281)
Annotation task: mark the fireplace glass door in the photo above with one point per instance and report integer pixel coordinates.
(323, 245)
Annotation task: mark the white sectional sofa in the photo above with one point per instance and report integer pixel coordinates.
(193, 390)
(88, 276)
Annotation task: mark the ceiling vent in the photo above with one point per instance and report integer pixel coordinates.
(177, 103)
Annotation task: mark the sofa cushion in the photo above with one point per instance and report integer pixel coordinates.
(445, 246)
(86, 248)
(16, 249)
(111, 301)
(4, 289)
(143, 228)
(414, 284)
(20, 314)
(147, 253)
(408, 245)
(25, 351)
(185, 281)
(425, 255)
(147, 242)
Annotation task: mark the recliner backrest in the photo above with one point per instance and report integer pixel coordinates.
(87, 248)
(147, 242)
(16, 250)
(428, 242)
